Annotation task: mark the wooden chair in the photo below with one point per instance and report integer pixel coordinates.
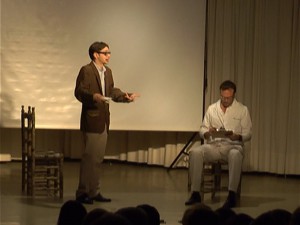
(211, 181)
(42, 172)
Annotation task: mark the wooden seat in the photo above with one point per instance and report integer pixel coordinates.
(42, 171)
(211, 181)
(212, 178)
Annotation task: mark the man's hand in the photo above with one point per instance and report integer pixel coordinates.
(235, 137)
(209, 133)
(132, 96)
(99, 98)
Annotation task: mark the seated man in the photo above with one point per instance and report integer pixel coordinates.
(226, 126)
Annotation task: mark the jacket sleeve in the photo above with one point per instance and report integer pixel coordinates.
(115, 93)
(82, 89)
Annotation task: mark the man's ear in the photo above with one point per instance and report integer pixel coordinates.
(95, 55)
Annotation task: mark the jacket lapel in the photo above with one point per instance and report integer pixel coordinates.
(96, 73)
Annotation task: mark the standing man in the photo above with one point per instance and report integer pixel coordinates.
(233, 119)
(94, 88)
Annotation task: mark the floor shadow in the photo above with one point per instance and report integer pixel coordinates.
(44, 202)
(245, 201)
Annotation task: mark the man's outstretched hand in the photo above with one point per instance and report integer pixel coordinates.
(131, 97)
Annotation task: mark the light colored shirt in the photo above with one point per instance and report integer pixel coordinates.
(102, 77)
(236, 118)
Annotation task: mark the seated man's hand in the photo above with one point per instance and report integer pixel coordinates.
(210, 132)
(235, 137)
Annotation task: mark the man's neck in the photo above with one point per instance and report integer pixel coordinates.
(223, 108)
(99, 65)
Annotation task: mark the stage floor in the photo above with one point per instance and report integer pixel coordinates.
(131, 185)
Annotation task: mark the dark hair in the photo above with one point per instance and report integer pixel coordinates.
(152, 212)
(96, 47)
(295, 217)
(200, 212)
(111, 219)
(71, 212)
(225, 214)
(93, 215)
(135, 215)
(227, 84)
(240, 219)
(276, 216)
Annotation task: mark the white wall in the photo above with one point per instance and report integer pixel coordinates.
(157, 50)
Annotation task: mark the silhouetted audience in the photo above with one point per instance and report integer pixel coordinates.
(295, 217)
(111, 219)
(136, 215)
(225, 214)
(93, 215)
(200, 214)
(282, 216)
(240, 219)
(276, 216)
(152, 213)
(72, 212)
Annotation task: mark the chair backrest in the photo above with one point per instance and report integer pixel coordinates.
(28, 131)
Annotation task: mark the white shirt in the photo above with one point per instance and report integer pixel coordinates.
(101, 74)
(236, 118)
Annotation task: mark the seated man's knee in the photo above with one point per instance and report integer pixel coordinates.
(196, 152)
(235, 154)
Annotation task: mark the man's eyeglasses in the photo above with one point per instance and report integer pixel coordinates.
(226, 98)
(105, 53)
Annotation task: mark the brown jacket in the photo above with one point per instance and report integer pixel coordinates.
(94, 115)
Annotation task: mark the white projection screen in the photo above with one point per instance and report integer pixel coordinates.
(157, 51)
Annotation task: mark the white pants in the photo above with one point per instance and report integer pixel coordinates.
(233, 154)
(90, 167)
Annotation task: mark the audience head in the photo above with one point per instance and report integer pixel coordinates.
(111, 219)
(225, 214)
(93, 215)
(152, 213)
(200, 214)
(282, 216)
(295, 217)
(135, 215)
(277, 216)
(240, 219)
(71, 212)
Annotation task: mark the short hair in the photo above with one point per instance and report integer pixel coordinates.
(71, 212)
(225, 214)
(200, 214)
(93, 215)
(152, 212)
(227, 84)
(135, 215)
(295, 217)
(96, 47)
(111, 218)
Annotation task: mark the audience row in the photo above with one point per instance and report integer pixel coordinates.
(73, 212)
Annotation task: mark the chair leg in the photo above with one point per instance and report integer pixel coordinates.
(61, 178)
(239, 188)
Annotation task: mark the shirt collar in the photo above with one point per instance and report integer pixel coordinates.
(101, 70)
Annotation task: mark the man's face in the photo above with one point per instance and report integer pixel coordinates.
(103, 56)
(227, 97)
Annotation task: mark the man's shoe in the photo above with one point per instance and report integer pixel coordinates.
(231, 200)
(195, 198)
(100, 198)
(84, 199)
